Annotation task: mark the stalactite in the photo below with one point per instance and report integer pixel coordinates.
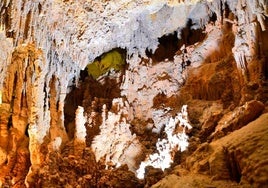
(45, 44)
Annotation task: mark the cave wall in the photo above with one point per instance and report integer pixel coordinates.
(45, 45)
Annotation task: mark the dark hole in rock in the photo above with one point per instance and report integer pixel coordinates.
(232, 163)
(168, 46)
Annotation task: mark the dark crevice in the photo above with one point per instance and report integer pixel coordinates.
(13, 94)
(45, 98)
(23, 101)
(227, 10)
(9, 124)
(83, 75)
(26, 130)
(169, 45)
(167, 48)
(57, 105)
(221, 11)
(192, 36)
(263, 49)
(213, 17)
(6, 17)
(266, 68)
(39, 8)
(233, 165)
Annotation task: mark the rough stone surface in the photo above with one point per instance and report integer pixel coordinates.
(210, 55)
(239, 156)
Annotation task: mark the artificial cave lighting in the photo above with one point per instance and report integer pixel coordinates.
(165, 147)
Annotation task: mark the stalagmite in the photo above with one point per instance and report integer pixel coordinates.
(191, 73)
(80, 129)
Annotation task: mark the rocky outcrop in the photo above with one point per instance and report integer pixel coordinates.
(235, 156)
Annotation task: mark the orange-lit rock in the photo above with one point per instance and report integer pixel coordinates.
(61, 127)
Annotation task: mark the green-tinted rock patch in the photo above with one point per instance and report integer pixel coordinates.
(114, 59)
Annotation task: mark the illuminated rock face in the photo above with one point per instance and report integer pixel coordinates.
(210, 55)
(80, 129)
(115, 143)
(175, 141)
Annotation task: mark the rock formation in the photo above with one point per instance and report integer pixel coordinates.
(62, 127)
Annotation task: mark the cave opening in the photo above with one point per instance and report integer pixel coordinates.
(190, 36)
(95, 88)
(170, 44)
(167, 48)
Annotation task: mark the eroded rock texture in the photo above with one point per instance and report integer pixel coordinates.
(61, 127)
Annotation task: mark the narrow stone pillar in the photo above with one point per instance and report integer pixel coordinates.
(80, 129)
